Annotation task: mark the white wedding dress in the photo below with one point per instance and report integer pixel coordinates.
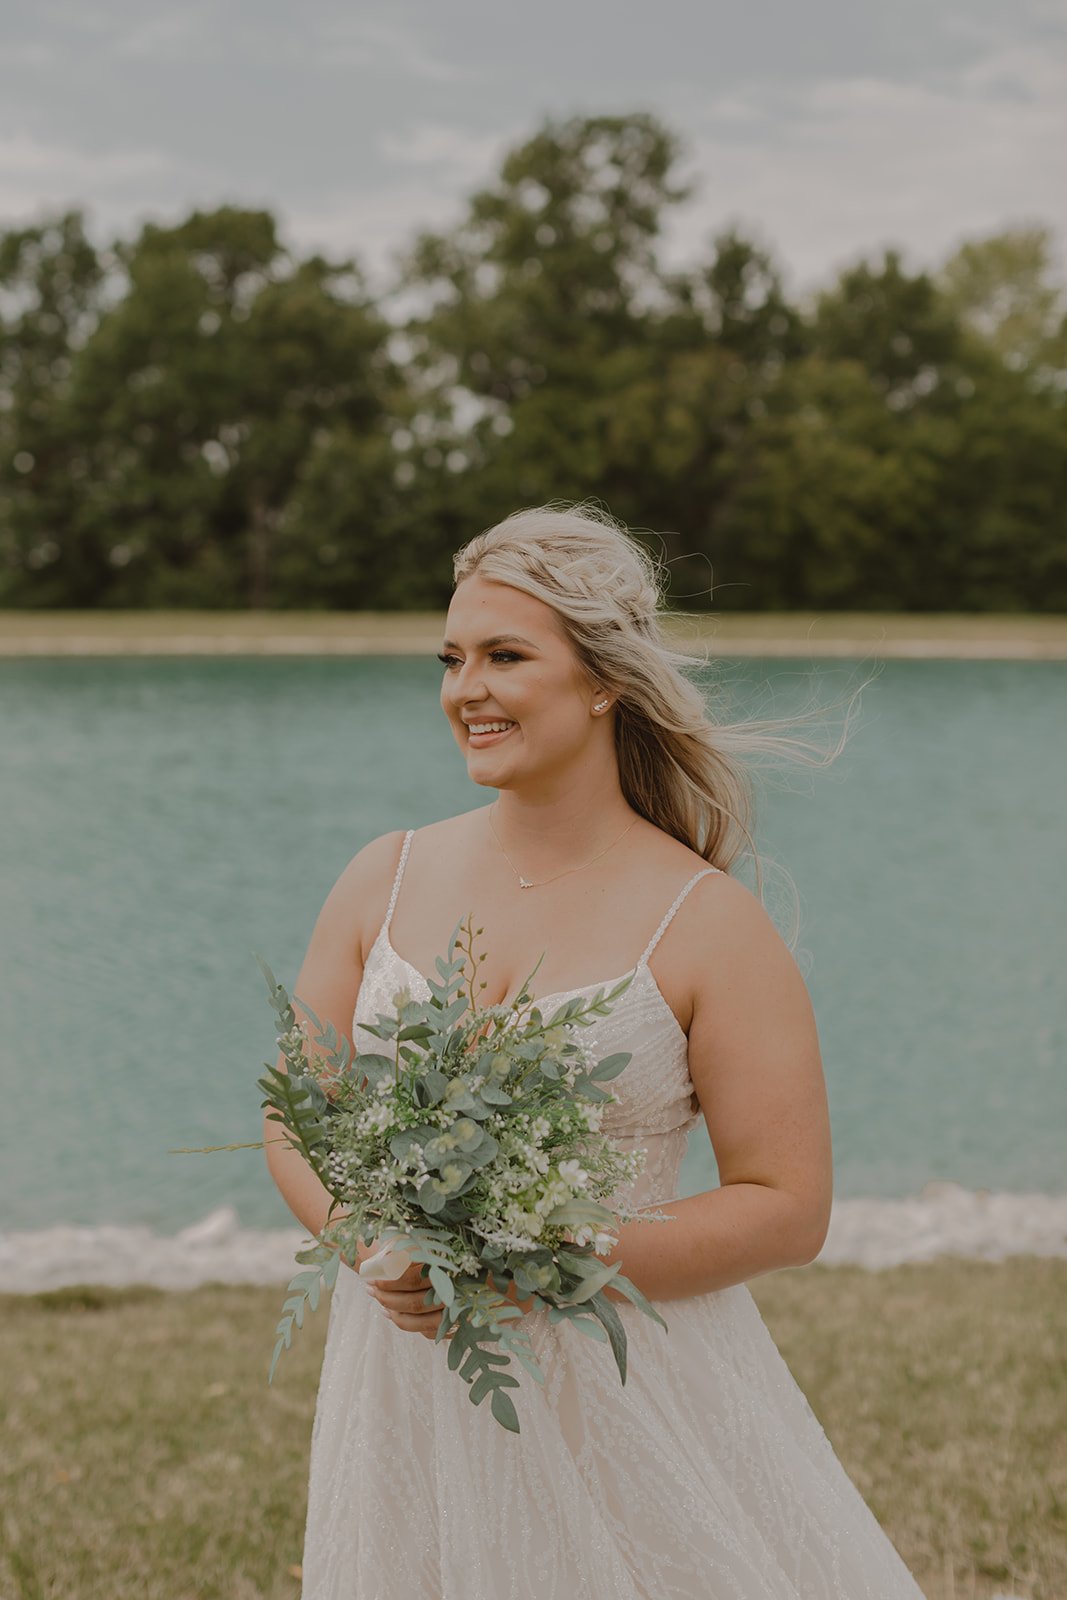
(705, 1477)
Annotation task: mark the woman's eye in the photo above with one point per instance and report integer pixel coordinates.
(494, 655)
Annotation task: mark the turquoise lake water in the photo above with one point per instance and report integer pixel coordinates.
(161, 819)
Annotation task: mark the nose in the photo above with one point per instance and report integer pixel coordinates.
(464, 686)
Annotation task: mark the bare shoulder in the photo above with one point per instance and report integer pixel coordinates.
(360, 895)
(727, 938)
(450, 831)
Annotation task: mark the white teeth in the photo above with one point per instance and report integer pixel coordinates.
(489, 727)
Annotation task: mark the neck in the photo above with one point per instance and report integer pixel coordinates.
(547, 829)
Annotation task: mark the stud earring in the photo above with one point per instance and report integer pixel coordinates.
(600, 705)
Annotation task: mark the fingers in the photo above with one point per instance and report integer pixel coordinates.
(407, 1300)
(411, 1309)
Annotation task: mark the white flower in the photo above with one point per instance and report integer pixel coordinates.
(573, 1173)
(379, 1116)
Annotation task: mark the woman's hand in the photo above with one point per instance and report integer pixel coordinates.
(407, 1302)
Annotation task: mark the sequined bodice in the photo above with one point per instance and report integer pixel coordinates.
(653, 1094)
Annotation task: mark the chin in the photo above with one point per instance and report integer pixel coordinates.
(495, 779)
(484, 783)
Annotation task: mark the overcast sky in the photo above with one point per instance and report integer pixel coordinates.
(828, 128)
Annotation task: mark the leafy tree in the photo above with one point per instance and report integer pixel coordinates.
(206, 388)
(554, 265)
(200, 417)
(1003, 288)
(555, 358)
(897, 326)
(736, 299)
(52, 286)
(542, 306)
(833, 497)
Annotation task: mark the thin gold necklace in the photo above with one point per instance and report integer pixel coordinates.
(526, 883)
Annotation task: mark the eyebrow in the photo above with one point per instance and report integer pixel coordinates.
(498, 638)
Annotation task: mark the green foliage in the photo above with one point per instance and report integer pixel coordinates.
(430, 1147)
(1003, 288)
(199, 416)
(310, 1285)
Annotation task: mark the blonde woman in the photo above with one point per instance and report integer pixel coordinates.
(619, 808)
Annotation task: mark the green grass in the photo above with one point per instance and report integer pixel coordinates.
(805, 633)
(145, 1455)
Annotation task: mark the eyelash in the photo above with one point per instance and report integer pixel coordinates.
(449, 661)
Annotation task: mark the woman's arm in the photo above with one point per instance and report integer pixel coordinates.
(328, 981)
(756, 1066)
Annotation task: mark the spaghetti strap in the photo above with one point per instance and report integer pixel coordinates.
(396, 881)
(665, 924)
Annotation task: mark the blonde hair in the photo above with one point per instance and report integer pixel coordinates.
(684, 772)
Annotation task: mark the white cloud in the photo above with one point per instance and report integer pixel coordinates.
(360, 160)
(385, 42)
(36, 177)
(469, 158)
(372, 225)
(849, 165)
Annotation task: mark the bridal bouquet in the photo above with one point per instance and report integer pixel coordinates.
(471, 1143)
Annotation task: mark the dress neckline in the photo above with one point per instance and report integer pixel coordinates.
(386, 942)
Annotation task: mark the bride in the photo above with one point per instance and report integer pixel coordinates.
(620, 807)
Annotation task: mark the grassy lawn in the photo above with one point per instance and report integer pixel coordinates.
(146, 1456)
(805, 633)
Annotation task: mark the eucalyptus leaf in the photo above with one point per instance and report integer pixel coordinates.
(611, 1066)
(435, 1084)
(446, 1289)
(504, 1411)
(484, 1384)
(431, 1199)
(577, 1263)
(295, 1304)
(456, 1348)
(595, 1281)
(373, 1066)
(591, 1329)
(578, 1213)
(602, 1307)
(632, 1292)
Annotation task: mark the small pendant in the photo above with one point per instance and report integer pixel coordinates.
(524, 883)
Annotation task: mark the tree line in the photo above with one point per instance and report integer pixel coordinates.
(200, 416)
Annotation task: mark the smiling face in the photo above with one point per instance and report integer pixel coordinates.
(507, 660)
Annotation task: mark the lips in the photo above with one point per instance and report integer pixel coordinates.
(481, 741)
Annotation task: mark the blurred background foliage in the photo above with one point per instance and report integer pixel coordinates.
(200, 417)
